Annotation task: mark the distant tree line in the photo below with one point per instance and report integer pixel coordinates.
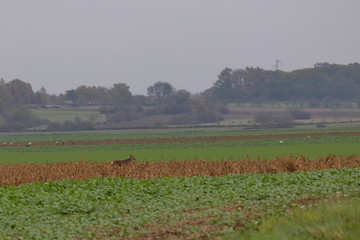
(323, 82)
(14, 116)
(117, 103)
(322, 85)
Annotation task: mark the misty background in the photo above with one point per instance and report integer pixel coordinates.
(61, 45)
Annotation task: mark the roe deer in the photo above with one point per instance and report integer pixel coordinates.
(126, 161)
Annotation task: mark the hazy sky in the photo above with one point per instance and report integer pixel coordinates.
(62, 44)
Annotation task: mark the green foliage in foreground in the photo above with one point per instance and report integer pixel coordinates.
(119, 207)
(326, 221)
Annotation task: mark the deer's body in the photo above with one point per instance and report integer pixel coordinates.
(123, 162)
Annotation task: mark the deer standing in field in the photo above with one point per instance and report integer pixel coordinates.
(123, 162)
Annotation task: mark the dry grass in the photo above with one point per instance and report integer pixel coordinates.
(16, 174)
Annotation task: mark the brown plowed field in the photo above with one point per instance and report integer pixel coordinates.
(183, 139)
(16, 174)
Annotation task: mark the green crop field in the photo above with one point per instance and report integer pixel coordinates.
(170, 208)
(153, 133)
(63, 114)
(142, 153)
(113, 208)
(319, 146)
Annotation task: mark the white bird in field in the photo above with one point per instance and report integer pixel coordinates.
(4, 143)
(281, 141)
(29, 144)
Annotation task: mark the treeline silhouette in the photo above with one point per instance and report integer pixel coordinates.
(323, 82)
(323, 85)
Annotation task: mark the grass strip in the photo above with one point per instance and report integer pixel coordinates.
(338, 220)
